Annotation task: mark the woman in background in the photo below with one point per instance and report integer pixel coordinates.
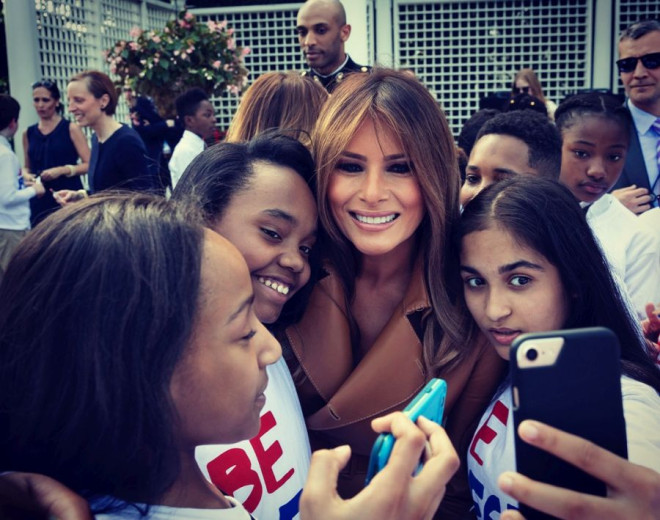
(284, 100)
(119, 157)
(526, 82)
(55, 149)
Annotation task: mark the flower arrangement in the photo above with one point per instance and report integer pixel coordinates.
(184, 54)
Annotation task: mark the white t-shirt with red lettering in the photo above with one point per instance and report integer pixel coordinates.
(267, 473)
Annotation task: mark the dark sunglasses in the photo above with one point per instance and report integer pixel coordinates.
(650, 61)
(521, 90)
(43, 83)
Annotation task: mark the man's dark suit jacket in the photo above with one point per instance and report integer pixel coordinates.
(634, 171)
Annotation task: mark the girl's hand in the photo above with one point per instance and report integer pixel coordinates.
(52, 173)
(635, 199)
(24, 494)
(393, 493)
(28, 178)
(64, 197)
(633, 491)
(651, 325)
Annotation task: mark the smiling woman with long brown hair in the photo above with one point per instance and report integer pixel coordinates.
(383, 320)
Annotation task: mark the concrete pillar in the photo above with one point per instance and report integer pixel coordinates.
(23, 60)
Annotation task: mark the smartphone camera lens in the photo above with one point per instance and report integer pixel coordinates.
(532, 354)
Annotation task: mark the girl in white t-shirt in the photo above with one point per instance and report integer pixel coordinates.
(529, 263)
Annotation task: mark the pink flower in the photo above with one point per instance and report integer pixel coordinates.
(245, 51)
(222, 25)
(233, 89)
(231, 44)
(133, 46)
(156, 39)
(211, 25)
(188, 16)
(226, 66)
(191, 49)
(135, 32)
(216, 64)
(166, 30)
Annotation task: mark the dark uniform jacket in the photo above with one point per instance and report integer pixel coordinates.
(331, 81)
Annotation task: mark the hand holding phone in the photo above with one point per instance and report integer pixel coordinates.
(430, 403)
(569, 379)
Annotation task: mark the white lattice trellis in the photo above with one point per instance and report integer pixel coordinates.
(269, 32)
(464, 50)
(73, 33)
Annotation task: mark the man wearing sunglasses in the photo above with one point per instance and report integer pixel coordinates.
(639, 69)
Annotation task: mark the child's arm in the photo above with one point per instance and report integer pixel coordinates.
(10, 195)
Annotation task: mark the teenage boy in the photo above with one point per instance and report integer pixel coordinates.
(196, 113)
(512, 143)
(14, 201)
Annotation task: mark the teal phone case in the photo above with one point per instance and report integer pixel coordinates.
(430, 403)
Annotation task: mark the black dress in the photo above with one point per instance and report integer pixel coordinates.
(49, 151)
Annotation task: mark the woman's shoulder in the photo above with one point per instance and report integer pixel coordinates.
(125, 135)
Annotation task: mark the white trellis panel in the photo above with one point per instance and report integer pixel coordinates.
(464, 50)
(71, 34)
(269, 32)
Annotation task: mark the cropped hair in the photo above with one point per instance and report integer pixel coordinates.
(399, 104)
(287, 101)
(609, 106)
(188, 102)
(543, 215)
(215, 176)
(530, 77)
(9, 110)
(468, 136)
(97, 307)
(537, 132)
(51, 87)
(639, 29)
(99, 84)
(470, 129)
(145, 109)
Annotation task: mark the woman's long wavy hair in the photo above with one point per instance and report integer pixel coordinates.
(400, 104)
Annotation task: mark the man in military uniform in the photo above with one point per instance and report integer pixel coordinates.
(322, 31)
